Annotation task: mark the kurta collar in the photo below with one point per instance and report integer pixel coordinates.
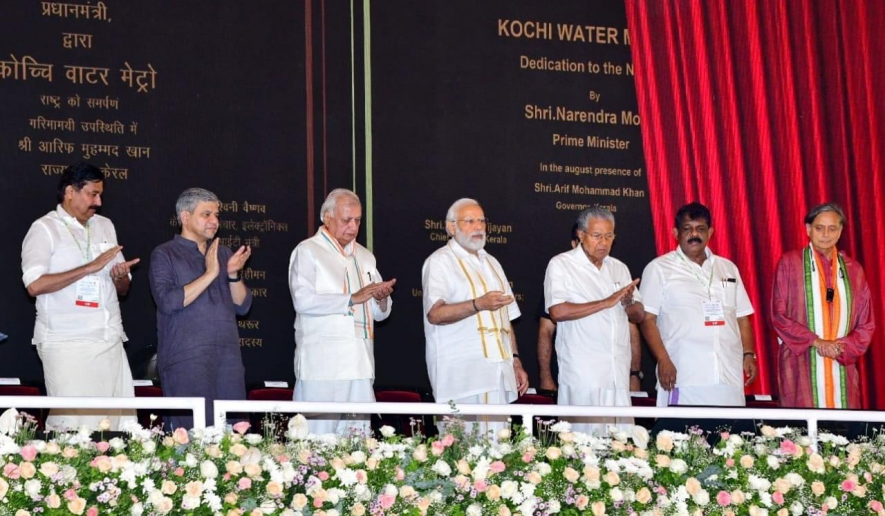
(67, 218)
(577, 254)
(707, 252)
(343, 250)
(460, 252)
(187, 244)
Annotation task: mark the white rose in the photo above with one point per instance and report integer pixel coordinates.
(797, 509)
(616, 494)
(137, 509)
(117, 444)
(442, 468)
(10, 422)
(504, 434)
(190, 461)
(474, 510)
(298, 428)
(149, 447)
(702, 497)
(678, 466)
(772, 461)
(208, 469)
(32, 488)
(553, 506)
(358, 457)
(387, 431)
(104, 425)
(640, 436)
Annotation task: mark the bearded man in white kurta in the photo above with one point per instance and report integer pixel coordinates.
(468, 305)
(593, 301)
(338, 295)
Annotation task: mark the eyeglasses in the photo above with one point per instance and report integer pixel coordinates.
(475, 222)
(601, 236)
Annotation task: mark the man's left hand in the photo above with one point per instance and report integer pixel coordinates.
(635, 384)
(384, 290)
(522, 377)
(238, 260)
(118, 271)
(750, 368)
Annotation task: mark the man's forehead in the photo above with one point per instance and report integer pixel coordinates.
(206, 206)
(93, 186)
(471, 209)
(827, 217)
(350, 209)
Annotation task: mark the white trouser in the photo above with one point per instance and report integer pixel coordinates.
(360, 391)
(86, 368)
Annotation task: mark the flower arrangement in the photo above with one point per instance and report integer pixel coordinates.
(236, 473)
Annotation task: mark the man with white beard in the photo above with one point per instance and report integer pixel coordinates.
(468, 305)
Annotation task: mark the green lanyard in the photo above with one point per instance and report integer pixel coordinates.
(699, 278)
(85, 253)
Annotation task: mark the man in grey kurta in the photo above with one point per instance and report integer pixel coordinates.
(198, 350)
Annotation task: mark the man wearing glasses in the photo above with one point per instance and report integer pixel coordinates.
(697, 320)
(593, 299)
(468, 305)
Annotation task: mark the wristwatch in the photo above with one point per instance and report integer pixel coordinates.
(637, 374)
(750, 354)
(236, 278)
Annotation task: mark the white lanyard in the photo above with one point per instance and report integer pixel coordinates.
(694, 273)
(84, 252)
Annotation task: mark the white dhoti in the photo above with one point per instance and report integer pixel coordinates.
(586, 395)
(86, 368)
(720, 395)
(358, 391)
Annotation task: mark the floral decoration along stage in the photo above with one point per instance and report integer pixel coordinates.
(239, 473)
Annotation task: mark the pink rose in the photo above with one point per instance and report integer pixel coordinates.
(729, 463)
(180, 436)
(448, 440)
(876, 505)
(480, 486)
(849, 485)
(11, 470)
(70, 494)
(323, 476)
(437, 448)
(317, 502)
(778, 497)
(400, 474)
(282, 459)
(244, 483)
(788, 447)
(527, 457)
(102, 446)
(93, 511)
(29, 452)
(724, 435)
(386, 501)
(179, 472)
(497, 467)
(723, 498)
(241, 427)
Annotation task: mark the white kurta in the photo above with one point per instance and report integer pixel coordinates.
(334, 354)
(593, 353)
(81, 346)
(708, 359)
(472, 356)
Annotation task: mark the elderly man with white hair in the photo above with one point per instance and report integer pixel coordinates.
(468, 305)
(338, 295)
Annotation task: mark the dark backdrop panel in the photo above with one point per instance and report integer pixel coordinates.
(226, 111)
(450, 98)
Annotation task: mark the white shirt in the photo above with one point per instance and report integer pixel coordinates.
(471, 356)
(674, 288)
(334, 341)
(57, 242)
(592, 351)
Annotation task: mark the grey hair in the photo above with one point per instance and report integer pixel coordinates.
(452, 214)
(596, 212)
(338, 196)
(190, 198)
(821, 208)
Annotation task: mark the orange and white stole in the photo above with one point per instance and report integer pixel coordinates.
(494, 335)
(353, 282)
(828, 320)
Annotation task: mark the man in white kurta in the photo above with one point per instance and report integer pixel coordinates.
(697, 308)
(338, 295)
(468, 305)
(72, 264)
(593, 300)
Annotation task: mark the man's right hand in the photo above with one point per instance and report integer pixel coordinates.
(371, 290)
(667, 374)
(212, 259)
(493, 300)
(624, 293)
(103, 259)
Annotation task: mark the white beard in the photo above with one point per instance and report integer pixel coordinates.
(466, 240)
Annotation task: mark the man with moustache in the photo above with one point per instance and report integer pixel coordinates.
(820, 308)
(468, 305)
(72, 264)
(199, 291)
(593, 299)
(338, 295)
(697, 319)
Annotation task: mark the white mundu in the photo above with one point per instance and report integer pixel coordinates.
(471, 357)
(334, 354)
(79, 331)
(697, 309)
(593, 352)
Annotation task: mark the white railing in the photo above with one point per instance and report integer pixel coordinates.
(196, 405)
(528, 412)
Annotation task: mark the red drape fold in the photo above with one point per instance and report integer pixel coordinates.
(761, 110)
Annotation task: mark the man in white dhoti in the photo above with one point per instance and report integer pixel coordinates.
(72, 264)
(338, 295)
(468, 305)
(593, 300)
(697, 320)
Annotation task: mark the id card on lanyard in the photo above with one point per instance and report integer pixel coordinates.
(714, 314)
(88, 292)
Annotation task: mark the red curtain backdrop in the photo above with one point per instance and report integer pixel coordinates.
(761, 110)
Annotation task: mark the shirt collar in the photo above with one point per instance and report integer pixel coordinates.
(707, 252)
(346, 250)
(186, 243)
(460, 252)
(579, 256)
(67, 218)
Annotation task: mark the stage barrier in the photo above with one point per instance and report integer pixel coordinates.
(196, 405)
